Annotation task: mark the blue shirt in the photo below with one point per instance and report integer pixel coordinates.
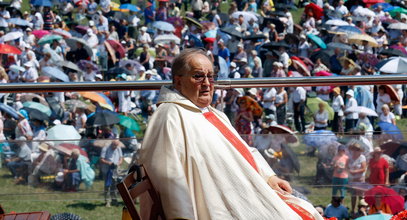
(225, 53)
(148, 12)
(339, 212)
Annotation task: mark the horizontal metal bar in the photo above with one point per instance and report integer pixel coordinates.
(220, 84)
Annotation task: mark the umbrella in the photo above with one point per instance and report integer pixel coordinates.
(254, 37)
(317, 40)
(118, 47)
(8, 49)
(48, 39)
(19, 22)
(323, 55)
(398, 26)
(70, 65)
(111, 51)
(246, 15)
(401, 48)
(71, 42)
(350, 30)
(359, 38)
(392, 130)
(394, 65)
(100, 98)
(307, 61)
(164, 26)
(300, 65)
(55, 73)
(391, 148)
(323, 73)
(337, 22)
(9, 110)
(75, 103)
(166, 39)
(38, 106)
(362, 109)
(16, 68)
(318, 12)
(397, 10)
(61, 32)
(388, 196)
(232, 32)
(40, 33)
(320, 138)
(292, 38)
(313, 106)
(58, 111)
(84, 64)
(129, 123)
(364, 11)
(392, 52)
(275, 45)
(63, 134)
(67, 148)
(384, 5)
(193, 21)
(252, 104)
(137, 66)
(12, 36)
(28, 97)
(375, 217)
(35, 114)
(103, 117)
(81, 29)
(129, 7)
(341, 46)
(43, 3)
(281, 129)
(392, 93)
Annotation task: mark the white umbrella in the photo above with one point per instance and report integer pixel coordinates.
(12, 36)
(336, 22)
(362, 109)
(72, 44)
(395, 65)
(63, 134)
(16, 69)
(398, 26)
(166, 39)
(164, 26)
(246, 15)
(55, 73)
(363, 12)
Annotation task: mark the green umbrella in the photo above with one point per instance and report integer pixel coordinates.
(48, 39)
(129, 123)
(317, 40)
(398, 10)
(38, 106)
(151, 51)
(312, 105)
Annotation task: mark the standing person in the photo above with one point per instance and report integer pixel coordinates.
(229, 181)
(321, 117)
(382, 98)
(111, 157)
(269, 98)
(299, 97)
(244, 120)
(351, 117)
(357, 169)
(378, 168)
(340, 175)
(280, 103)
(338, 106)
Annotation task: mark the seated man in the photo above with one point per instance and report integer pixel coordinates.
(78, 171)
(198, 163)
(19, 165)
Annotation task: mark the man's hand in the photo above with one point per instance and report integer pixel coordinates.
(279, 185)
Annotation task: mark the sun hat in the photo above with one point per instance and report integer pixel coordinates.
(337, 90)
(350, 92)
(44, 147)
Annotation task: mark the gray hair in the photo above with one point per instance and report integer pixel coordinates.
(181, 65)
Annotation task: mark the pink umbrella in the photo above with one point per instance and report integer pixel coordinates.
(300, 66)
(63, 33)
(397, 47)
(387, 195)
(40, 33)
(117, 47)
(294, 74)
(323, 73)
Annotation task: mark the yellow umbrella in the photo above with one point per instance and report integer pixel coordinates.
(359, 38)
(313, 106)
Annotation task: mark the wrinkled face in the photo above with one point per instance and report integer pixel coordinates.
(199, 93)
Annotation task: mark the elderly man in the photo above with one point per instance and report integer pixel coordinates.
(19, 165)
(198, 163)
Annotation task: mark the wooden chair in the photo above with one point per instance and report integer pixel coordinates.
(26, 216)
(132, 186)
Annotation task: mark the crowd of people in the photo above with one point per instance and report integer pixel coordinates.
(81, 40)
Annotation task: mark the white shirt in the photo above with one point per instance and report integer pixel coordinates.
(31, 74)
(321, 117)
(351, 102)
(144, 38)
(4, 15)
(386, 118)
(355, 165)
(268, 95)
(91, 39)
(337, 104)
(342, 9)
(382, 99)
(299, 94)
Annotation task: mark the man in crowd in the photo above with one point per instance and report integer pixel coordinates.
(198, 163)
(19, 165)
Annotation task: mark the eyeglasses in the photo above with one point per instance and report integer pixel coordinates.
(199, 78)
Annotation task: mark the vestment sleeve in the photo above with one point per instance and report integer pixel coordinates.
(264, 168)
(163, 157)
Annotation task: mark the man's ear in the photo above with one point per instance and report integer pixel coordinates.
(177, 81)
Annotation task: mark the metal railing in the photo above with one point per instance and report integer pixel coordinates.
(220, 84)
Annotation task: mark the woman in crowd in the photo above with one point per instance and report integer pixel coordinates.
(357, 169)
(244, 120)
(386, 115)
(280, 103)
(321, 118)
(340, 175)
(378, 168)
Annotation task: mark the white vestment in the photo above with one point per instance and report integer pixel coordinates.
(199, 174)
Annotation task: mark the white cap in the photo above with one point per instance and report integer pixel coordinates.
(233, 64)
(143, 28)
(240, 45)
(91, 23)
(99, 76)
(350, 92)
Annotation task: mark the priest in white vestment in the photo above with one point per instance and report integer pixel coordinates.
(195, 160)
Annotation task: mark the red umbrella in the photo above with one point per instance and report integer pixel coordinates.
(67, 149)
(300, 65)
(317, 11)
(307, 61)
(392, 93)
(40, 33)
(117, 47)
(372, 2)
(389, 197)
(8, 49)
(281, 129)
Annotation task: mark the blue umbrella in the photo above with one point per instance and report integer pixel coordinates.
(130, 7)
(9, 110)
(391, 129)
(164, 26)
(391, 8)
(349, 30)
(55, 73)
(197, 41)
(320, 138)
(211, 34)
(317, 40)
(383, 4)
(375, 217)
(44, 3)
(19, 22)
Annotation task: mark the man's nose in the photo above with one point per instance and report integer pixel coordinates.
(206, 81)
